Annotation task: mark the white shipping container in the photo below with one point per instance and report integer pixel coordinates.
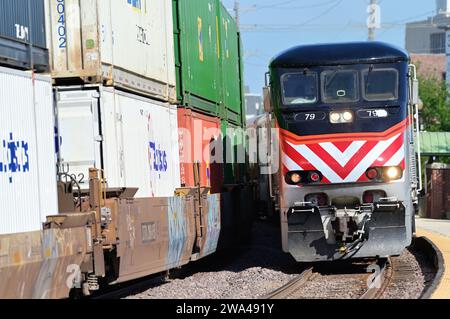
(28, 192)
(121, 43)
(133, 139)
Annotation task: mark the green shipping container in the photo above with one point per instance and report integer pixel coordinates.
(208, 59)
(197, 54)
(235, 153)
(230, 51)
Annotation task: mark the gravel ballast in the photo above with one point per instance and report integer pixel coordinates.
(253, 271)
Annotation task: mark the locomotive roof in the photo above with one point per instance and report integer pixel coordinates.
(342, 53)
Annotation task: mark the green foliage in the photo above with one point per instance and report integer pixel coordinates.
(436, 110)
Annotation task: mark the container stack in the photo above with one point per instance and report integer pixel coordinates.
(210, 90)
(211, 110)
(117, 117)
(115, 89)
(149, 92)
(27, 148)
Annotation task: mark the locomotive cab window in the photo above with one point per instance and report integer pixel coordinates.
(340, 86)
(381, 84)
(299, 88)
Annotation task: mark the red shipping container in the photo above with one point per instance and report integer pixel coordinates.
(200, 141)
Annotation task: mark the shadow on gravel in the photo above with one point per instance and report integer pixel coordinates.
(264, 251)
(428, 269)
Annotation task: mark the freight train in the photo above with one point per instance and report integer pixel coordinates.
(344, 175)
(109, 166)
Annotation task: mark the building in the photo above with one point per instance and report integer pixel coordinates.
(430, 65)
(428, 36)
(253, 103)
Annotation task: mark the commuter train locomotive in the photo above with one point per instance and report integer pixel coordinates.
(348, 177)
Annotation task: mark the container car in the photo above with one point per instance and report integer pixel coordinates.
(127, 206)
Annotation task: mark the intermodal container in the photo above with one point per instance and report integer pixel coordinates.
(208, 59)
(231, 67)
(123, 43)
(200, 141)
(197, 54)
(133, 139)
(27, 152)
(235, 153)
(22, 35)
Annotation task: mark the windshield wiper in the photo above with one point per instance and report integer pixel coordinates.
(368, 77)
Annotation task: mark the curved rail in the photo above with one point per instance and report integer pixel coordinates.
(375, 290)
(380, 281)
(292, 286)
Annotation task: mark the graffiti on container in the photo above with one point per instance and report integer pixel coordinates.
(142, 35)
(14, 157)
(61, 25)
(177, 231)
(213, 228)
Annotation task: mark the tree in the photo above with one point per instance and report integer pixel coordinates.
(436, 104)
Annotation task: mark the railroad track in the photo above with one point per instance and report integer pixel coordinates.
(386, 282)
(415, 274)
(364, 285)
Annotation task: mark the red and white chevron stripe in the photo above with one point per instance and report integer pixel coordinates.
(343, 160)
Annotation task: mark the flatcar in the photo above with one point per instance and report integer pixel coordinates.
(348, 178)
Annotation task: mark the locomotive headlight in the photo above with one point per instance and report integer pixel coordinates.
(341, 117)
(335, 117)
(394, 173)
(347, 116)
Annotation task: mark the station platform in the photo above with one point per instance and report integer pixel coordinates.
(438, 231)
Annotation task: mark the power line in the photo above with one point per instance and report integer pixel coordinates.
(281, 5)
(296, 26)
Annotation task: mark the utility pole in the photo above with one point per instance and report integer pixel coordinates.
(373, 22)
(237, 12)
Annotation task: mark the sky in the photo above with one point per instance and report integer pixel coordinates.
(269, 27)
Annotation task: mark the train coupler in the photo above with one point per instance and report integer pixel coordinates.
(331, 233)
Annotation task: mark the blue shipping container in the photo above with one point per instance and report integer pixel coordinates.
(22, 34)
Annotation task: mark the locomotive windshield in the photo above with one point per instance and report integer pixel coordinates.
(300, 88)
(340, 85)
(380, 85)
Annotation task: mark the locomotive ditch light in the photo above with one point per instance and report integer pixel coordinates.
(386, 174)
(393, 173)
(341, 117)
